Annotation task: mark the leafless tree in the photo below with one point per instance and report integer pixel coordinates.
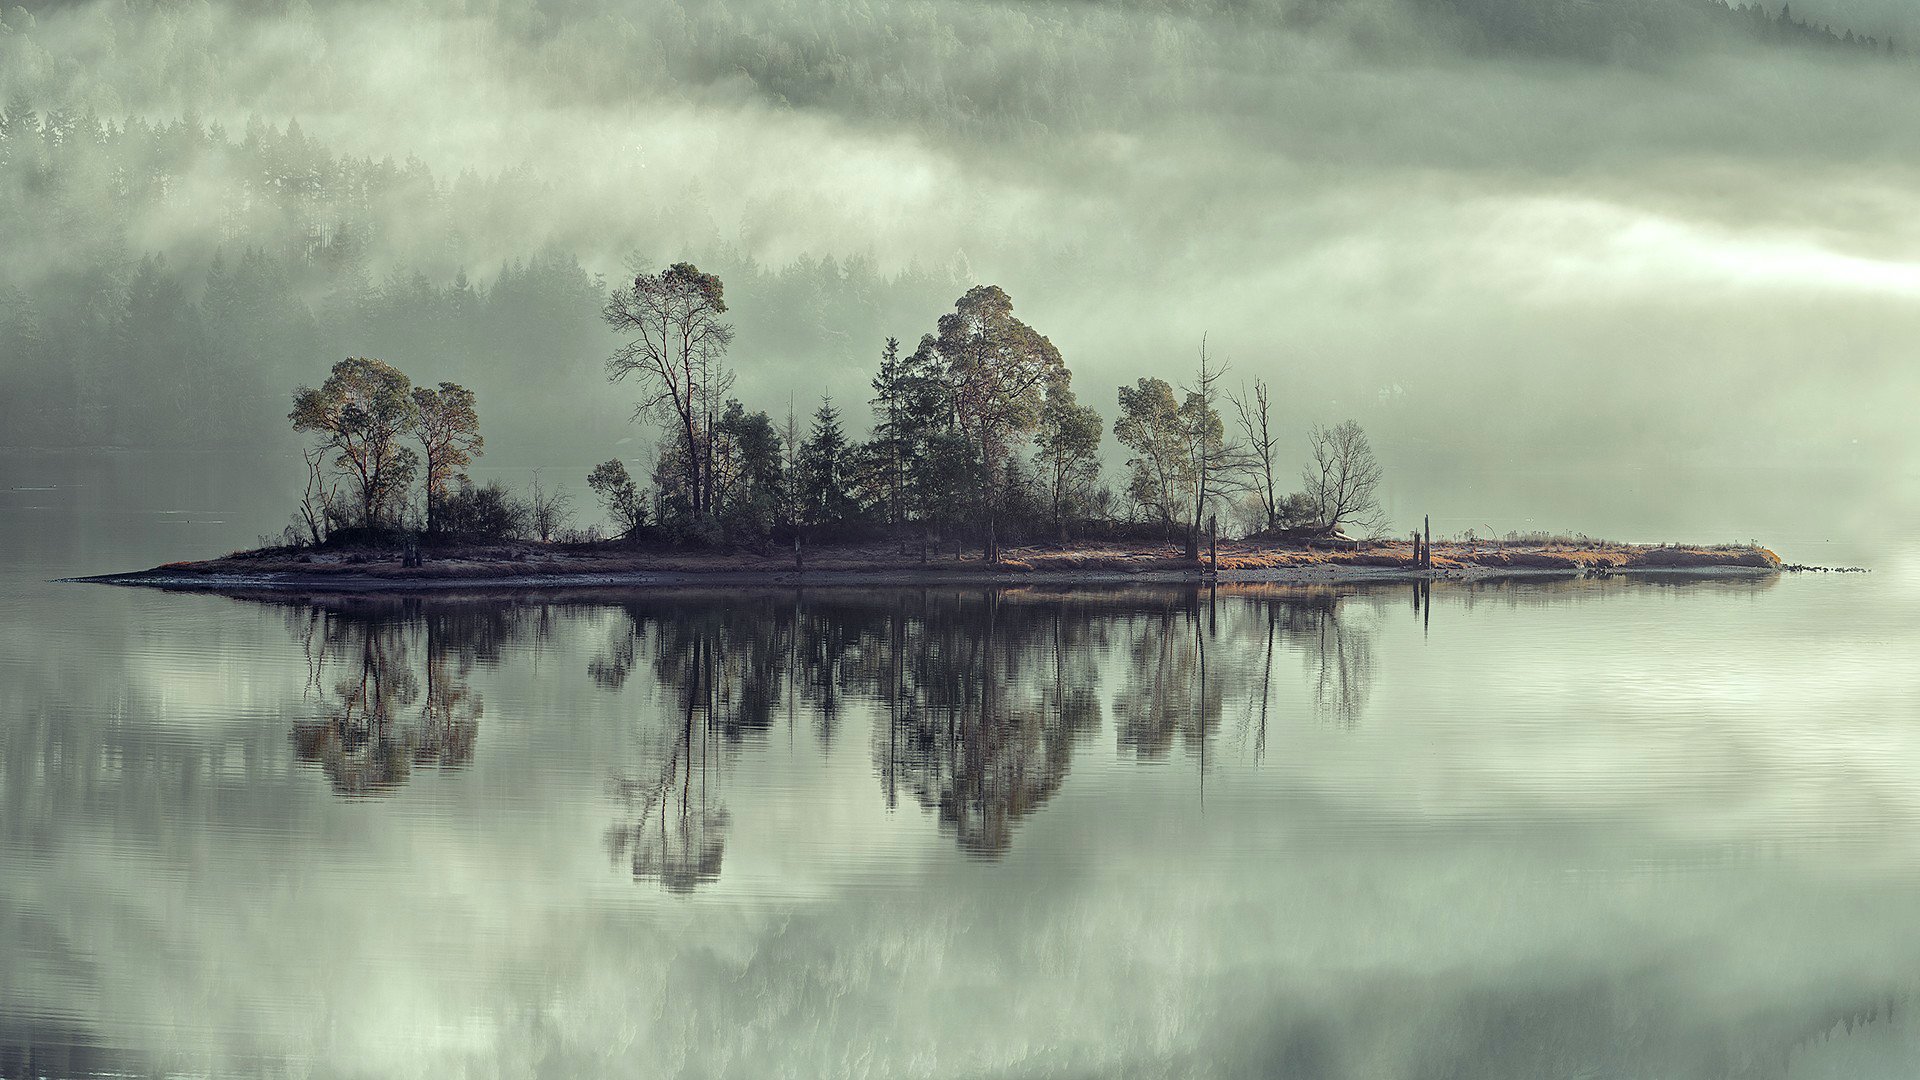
(1217, 465)
(548, 510)
(317, 510)
(1255, 416)
(1344, 479)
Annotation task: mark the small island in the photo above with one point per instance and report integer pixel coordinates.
(981, 466)
(534, 565)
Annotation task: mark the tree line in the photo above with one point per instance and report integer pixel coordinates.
(977, 435)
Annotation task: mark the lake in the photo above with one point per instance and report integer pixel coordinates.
(1592, 828)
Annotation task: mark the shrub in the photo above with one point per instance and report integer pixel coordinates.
(491, 513)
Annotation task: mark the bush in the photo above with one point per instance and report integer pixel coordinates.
(487, 513)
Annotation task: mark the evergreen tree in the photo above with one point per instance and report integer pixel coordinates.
(825, 469)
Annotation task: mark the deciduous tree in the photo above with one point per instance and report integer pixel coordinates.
(614, 486)
(449, 433)
(1344, 479)
(675, 352)
(1151, 426)
(1256, 424)
(1068, 445)
(364, 412)
(995, 370)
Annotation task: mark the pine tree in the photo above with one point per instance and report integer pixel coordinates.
(825, 462)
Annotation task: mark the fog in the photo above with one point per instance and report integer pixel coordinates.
(1613, 240)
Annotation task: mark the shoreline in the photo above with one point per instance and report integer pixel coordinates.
(534, 568)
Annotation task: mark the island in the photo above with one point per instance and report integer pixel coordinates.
(981, 465)
(535, 565)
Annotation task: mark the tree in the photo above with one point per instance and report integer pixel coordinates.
(317, 513)
(548, 511)
(825, 469)
(790, 500)
(1151, 426)
(363, 412)
(449, 432)
(676, 352)
(1214, 464)
(751, 480)
(911, 409)
(994, 370)
(1069, 451)
(1256, 425)
(614, 485)
(1343, 480)
(892, 444)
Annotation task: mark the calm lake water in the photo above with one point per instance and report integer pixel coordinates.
(1568, 829)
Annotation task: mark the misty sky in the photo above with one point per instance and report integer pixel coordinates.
(1499, 233)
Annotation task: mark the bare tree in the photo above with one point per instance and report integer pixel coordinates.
(1217, 464)
(548, 511)
(676, 353)
(1255, 416)
(1344, 478)
(318, 510)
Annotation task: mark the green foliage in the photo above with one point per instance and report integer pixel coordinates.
(484, 513)
(994, 371)
(1152, 426)
(1067, 451)
(826, 471)
(362, 413)
(448, 429)
(910, 411)
(613, 485)
(750, 475)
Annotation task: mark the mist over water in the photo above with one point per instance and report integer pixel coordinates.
(1642, 270)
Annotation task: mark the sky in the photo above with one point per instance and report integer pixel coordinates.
(1502, 234)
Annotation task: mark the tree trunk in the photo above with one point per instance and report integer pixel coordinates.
(693, 465)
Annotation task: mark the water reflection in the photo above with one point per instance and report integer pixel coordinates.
(976, 702)
(776, 831)
(392, 684)
(978, 699)
(985, 703)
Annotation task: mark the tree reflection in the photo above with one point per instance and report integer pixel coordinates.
(974, 702)
(383, 712)
(985, 702)
(1169, 692)
(977, 704)
(675, 828)
(1336, 642)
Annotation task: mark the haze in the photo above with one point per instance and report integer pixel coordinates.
(1648, 240)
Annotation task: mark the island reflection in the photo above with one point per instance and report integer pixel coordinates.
(977, 701)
